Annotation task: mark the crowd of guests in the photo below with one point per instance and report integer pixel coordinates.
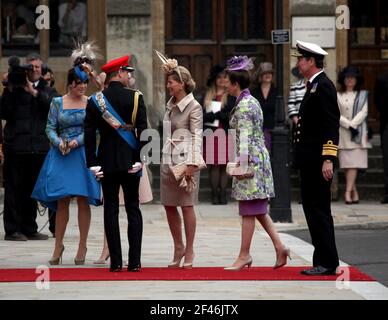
(61, 147)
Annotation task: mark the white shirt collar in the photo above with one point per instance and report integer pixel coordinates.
(315, 75)
(181, 104)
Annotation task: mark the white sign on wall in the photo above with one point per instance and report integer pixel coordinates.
(319, 30)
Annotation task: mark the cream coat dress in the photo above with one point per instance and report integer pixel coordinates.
(351, 154)
(182, 135)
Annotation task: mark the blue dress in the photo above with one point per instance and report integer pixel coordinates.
(65, 176)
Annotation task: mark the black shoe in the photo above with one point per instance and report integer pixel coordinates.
(115, 268)
(215, 199)
(37, 236)
(16, 236)
(384, 200)
(319, 271)
(135, 268)
(223, 198)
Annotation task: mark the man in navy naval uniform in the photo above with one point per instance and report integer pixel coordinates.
(117, 160)
(316, 146)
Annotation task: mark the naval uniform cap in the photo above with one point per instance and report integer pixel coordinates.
(309, 49)
(117, 64)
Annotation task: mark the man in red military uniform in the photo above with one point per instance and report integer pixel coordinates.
(119, 114)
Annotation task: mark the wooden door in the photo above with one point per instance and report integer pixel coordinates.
(368, 46)
(202, 33)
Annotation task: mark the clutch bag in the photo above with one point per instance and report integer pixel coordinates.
(233, 169)
(178, 170)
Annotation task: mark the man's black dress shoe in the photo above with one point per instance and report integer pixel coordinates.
(319, 271)
(16, 236)
(135, 268)
(37, 236)
(115, 268)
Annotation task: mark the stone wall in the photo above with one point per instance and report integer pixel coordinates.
(316, 8)
(129, 30)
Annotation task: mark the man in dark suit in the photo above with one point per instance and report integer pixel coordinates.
(381, 101)
(316, 146)
(25, 106)
(117, 159)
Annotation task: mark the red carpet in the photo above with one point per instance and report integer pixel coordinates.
(195, 274)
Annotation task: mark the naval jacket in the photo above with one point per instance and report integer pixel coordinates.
(317, 133)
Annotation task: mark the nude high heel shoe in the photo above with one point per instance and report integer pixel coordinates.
(102, 261)
(239, 267)
(281, 258)
(79, 262)
(176, 263)
(188, 265)
(57, 260)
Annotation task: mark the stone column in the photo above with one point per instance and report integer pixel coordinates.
(342, 43)
(97, 21)
(44, 36)
(158, 79)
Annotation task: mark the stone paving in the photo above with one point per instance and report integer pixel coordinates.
(217, 244)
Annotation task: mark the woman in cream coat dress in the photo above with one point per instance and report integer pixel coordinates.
(353, 141)
(182, 127)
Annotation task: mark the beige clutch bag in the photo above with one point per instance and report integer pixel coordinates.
(233, 169)
(178, 170)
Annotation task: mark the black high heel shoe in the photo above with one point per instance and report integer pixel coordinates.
(355, 198)
(348, 200)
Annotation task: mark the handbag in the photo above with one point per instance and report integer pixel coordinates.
(234, 169)
(178, 170)
(145, 191)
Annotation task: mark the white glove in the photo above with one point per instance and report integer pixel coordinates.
(97, 172)
(136, 167)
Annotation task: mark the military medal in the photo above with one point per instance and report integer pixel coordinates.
(314, 88)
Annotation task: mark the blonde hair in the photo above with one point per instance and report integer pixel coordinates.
(211, 94)
(186, 79)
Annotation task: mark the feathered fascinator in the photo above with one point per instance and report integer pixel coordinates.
(169, 65)
(240, 63)
(84, 53)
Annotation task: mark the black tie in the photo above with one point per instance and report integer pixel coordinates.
(308, 86)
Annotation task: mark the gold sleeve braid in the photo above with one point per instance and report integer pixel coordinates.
(330, 149)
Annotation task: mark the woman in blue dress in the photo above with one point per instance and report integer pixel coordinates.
(64, 173)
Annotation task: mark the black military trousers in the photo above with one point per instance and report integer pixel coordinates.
(20, 174)
(110, 186)
(316, 201)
